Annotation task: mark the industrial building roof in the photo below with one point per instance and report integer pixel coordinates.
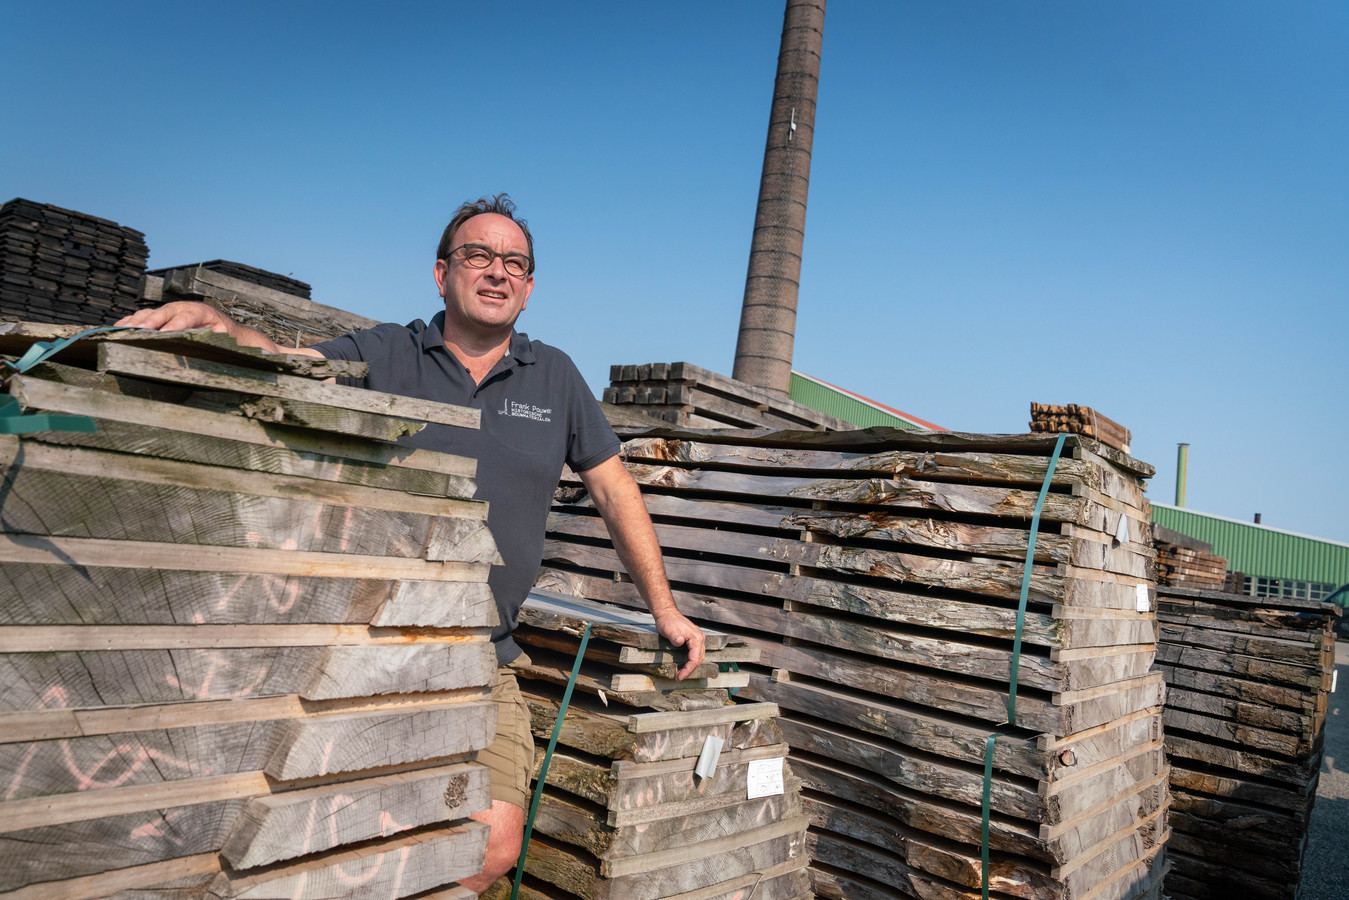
(1259, 550)
(850, 406)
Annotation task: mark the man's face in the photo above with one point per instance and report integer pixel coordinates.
(484, 301)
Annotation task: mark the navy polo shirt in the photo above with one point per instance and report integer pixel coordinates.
(537, 413)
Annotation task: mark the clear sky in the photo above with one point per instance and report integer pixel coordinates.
(1138, 206)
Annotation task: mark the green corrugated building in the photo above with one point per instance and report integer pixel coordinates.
(844, 404)
(1275, 563)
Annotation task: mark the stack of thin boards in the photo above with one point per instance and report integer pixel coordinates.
(623, 815)
(689, 396)
(269, 304)
(1048, 418)
(1185, 567)
(1247, 683)
(244, 636)
(878, 573)
(58, 265)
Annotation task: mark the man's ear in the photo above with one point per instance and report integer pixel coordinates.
(529, 289)
(440, 272)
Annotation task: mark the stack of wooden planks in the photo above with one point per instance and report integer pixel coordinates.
(244, 636)
(277, 306)
(1184, 567)
(58, 265)
(624, 815)
(878, 574)
(1247, 683)
(1046, 418)
(689, 396)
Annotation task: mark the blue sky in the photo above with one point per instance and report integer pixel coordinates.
(1137, 206)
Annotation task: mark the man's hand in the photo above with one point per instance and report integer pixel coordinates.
(183, 315)
(180, 315)
(676, 628)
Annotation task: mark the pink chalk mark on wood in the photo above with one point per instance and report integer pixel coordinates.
(216, 662)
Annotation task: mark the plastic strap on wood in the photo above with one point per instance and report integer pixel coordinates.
(1025, 577)
(44, 350)
(1016, 660)
(547, 758)
(12, 419)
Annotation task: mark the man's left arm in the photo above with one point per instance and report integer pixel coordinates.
(619, 501)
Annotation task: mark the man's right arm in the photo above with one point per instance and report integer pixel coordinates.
(182, 315)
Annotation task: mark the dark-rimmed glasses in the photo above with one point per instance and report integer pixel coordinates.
(479, 257)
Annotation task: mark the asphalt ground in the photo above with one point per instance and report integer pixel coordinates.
(1325, 868)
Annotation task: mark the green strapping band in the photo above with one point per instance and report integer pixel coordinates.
(1025, 578)
(547, 758)
(1016, 657)
(12, 419)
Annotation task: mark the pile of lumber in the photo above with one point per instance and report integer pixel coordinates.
(624, 815)
(1247, 683)
(878, 573)
(277, 306)
(1046, 418)
(1184, 567)
(688, 396)
(244, 636)
(58, 265)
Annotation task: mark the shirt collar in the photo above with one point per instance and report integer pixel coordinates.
(520, 349)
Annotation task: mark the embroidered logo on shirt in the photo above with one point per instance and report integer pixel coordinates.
(525, 411)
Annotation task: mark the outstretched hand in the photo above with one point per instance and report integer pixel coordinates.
(180, 315)
(676, 628)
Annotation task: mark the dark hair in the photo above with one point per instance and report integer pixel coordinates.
(500, 204)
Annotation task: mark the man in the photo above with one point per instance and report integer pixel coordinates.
(536, 414)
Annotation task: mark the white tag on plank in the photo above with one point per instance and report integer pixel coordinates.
(1141, 597)
(765, 777)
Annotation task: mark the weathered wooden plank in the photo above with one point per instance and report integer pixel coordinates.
(1254, 714)
(866, 830)
(1296, 801)
(1248, 667)
(1260, 739)
(919, 530)
(123, 882)
(74, 464)
(567, 820)
(882, 639)
(153, 746)
(592, 728)
(552, 611)
(296, 823)
(708, 853)
(944, 736)
(396, 867)
(318, 745)
(68, 551)
(90, 678)
(106, 407)
(90, 847)
(1299, 773)
(1060, 714)
(61, 594)
(1292, 653)
(127, 360)
(555, 668)
(1273, 695)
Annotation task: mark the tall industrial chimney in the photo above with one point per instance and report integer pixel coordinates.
(763, 352)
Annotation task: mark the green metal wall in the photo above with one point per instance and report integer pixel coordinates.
(1260, 551)
(841, 406)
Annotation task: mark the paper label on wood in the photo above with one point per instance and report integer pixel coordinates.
(1122, 532)
(707, 760)
(765, 777)
(1141, 597)
(1334, 677)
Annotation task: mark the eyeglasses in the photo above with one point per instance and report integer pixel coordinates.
(479, 257)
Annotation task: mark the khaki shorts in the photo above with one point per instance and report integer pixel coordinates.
(510, 756)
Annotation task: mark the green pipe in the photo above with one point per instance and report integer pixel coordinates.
(1182, 461)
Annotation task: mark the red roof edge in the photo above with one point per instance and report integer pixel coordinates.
(914, 420)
